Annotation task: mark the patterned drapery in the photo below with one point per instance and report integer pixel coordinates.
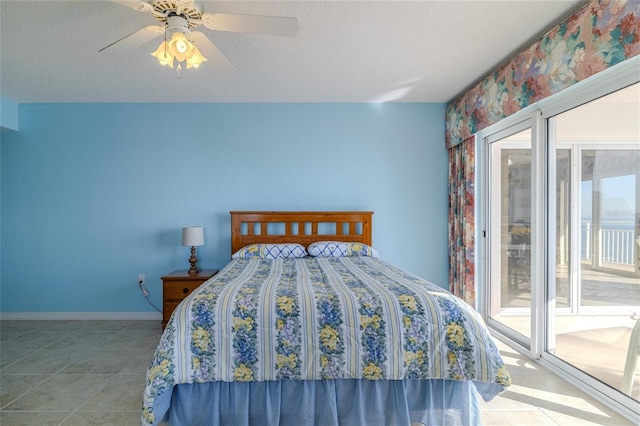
(462, 220)
(596, 37)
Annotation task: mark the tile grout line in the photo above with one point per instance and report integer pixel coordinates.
(32, 352)
(87, 400)
(27, 391)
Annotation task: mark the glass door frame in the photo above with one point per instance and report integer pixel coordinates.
(493, 228)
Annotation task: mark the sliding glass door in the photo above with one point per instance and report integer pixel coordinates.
(510, 231)
(560, 273)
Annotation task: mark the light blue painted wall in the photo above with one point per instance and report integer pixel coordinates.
(8, 114)
(94, 194)
(1, 131)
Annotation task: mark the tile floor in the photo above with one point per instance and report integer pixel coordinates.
(539, 397)
(93, 373)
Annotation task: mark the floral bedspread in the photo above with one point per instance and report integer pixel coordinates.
(321, 318)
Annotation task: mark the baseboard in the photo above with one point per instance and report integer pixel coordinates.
(156, 316)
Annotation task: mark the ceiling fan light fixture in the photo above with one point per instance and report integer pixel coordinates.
(180, 18)
(163, 55)
(180, 49)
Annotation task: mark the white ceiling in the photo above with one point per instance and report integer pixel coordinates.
(345, 51)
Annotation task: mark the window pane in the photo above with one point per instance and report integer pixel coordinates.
(511, 282)
(563, 228)
(595, 291)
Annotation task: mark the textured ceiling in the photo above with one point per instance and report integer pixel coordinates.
(345, 51)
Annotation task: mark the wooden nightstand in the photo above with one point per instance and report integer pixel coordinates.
(178, 285)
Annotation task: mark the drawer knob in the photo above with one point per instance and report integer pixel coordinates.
(185, 290)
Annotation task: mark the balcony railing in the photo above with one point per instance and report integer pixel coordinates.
(615, 245)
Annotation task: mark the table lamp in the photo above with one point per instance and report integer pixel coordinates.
(193, 236)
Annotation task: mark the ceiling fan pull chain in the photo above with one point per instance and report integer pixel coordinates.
(178, 68)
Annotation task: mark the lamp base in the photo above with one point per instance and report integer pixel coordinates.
(193, 260)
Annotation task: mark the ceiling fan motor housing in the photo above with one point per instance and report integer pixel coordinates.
(177, 23)
(189, 11)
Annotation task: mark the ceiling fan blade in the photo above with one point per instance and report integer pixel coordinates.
(139, 5)
(215, 58)
(269, 25)
(134, 40)
(181, 4)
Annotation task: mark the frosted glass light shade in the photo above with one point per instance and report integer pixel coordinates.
(163, 55)
(179, 47)
(195, 60)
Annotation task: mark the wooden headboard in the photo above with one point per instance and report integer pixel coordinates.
(298, 227)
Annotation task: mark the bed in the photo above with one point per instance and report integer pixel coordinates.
(306, 325)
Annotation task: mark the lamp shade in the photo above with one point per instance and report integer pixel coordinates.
(195, 60)
(179, 47)
(193, 236)
(163, 55)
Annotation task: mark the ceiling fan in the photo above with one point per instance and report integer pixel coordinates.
(182, 45)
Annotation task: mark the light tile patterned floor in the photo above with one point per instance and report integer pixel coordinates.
(539, 397)
(93, 373)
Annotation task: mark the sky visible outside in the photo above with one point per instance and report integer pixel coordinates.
(618, 198)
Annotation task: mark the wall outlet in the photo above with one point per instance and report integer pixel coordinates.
(140, 279)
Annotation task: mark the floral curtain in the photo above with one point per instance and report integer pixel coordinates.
(462, 220)
(596, 37)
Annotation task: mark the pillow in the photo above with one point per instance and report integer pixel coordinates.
(270, 251)
(340, 249)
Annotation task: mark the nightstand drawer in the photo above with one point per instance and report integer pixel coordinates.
(178, 290)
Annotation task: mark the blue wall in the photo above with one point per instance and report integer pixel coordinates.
(8, 114)
(95, 194)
